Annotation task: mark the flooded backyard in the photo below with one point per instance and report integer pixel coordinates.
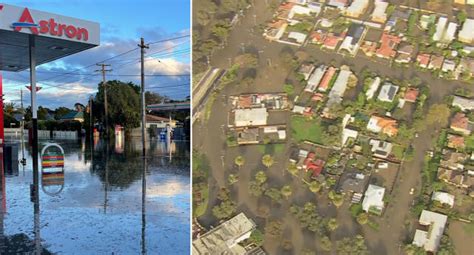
(105, 203)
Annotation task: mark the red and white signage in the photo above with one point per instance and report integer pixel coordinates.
(25, 20)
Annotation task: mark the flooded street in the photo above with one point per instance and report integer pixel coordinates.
(102, 207)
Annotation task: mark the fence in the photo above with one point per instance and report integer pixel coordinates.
(15, 133)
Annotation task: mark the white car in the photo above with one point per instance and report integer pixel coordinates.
(412, 190)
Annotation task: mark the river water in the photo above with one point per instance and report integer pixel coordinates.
(99, 205)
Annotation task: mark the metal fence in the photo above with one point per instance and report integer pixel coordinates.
(15, 133)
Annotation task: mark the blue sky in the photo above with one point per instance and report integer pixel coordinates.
(122, 24)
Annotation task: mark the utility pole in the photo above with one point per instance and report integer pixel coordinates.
(142, 57)
(22, 128)
(103, 70)
(91, 124)
(143, 46)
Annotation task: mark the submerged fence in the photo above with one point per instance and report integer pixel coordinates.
(15, 133)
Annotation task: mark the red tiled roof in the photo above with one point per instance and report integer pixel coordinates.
(411, 94)
(323, 86)
(388, 44)
(331, 41)
(460, 121)
(317, 97)
(318, 37)
(455, 141)
(423, 59)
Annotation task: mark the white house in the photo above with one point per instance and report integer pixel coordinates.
(443, 198)
(374, 86)
(315, 78)
(434, 223)
(388, 92)
(373, 199)
(466, 35)
(251, 117)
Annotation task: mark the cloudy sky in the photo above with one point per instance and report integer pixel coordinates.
(122, 24)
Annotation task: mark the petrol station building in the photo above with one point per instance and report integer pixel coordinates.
(29, 38)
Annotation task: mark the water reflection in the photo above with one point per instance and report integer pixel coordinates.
(108, 203)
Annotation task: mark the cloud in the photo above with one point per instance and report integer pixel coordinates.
(83, 79)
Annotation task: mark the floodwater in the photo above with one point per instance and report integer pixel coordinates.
(102, 207)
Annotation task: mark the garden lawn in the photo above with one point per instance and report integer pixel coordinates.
(304, 129)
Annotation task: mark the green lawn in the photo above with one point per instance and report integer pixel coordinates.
(304, 129)
(398, 151)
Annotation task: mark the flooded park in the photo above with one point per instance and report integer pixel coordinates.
(103, 201)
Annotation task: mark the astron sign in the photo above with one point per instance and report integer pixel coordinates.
(28, 21)
(49, 27)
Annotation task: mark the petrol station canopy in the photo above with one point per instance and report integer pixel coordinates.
(56, 36)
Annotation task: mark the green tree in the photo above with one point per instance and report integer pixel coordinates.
(412, 249)
(233, 178)
(286, 191)
(274, 194)
(315, 186)
(224, 210)
(362, 218)
(274, 228)
(461, 16)
(438, 114)
(261, 177)
(293, 169)
(267, 160)
(257, 237)
(289, 89)
(123, 104)
(338, 200)
(326, 243)
(349, 246)
(256, 189)
(332, 224)
(239, 161)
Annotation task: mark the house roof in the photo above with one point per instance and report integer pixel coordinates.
(388, 45)
(411, 94)
(331, 41)
(443, 197)
(353, 181)
(324, 85)
(461, 121)
(73, 115)
(463, 103)
(455, 141)
(430, 240)
(467, 32)
(251, 117)
(436, 62)
(153, 118)
(318, 36)
(373, 197)
(423, 59)
(388, 92)
(382, 124)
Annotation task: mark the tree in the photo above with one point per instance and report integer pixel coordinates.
(233, 178)
(274, 194)
(267, 160)
(332, 224)
(224, 210)
(315, 186)
(349, 246)
(362, 218)
(461, 16)
(223, 194)
(293, 169)
(261, 177)
(274, 228)
(123, 104)
(289, 89)
(155, 98)
(239, 161)
(256, 189)
(438, 114)
(326, 243)
(412, 249)
(256, 237)
(286, 191)
(338, 200)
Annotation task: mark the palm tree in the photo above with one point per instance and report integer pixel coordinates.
(260, 177)
(362, 218)
(286, 191)
(233, 178)
(332, 224)
(314, 186)
(338, 200)
(267, 160)
(239, 161)
(293, 169)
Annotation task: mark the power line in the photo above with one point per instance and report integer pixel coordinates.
(170, 39)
